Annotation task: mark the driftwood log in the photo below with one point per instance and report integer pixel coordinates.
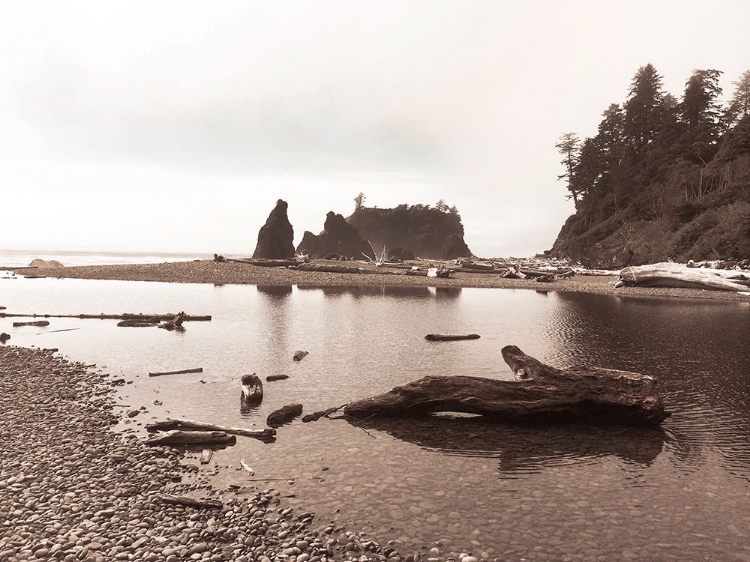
(171, 424)
(191, 502)
(174, 323)
(127, 316)
(137, 323)
(38, 323)
(271, 378)
(540, 393)
(284, 415)
(179, 437)
(451, 337)
(328, 268)
(179, 372)
(681, 276)
(299, 355)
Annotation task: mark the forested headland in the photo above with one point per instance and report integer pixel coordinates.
(663, 178)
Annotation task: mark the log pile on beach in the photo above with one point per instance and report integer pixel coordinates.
(71, 489)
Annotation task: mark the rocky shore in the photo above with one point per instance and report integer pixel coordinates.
(72, 489)
(219, 273)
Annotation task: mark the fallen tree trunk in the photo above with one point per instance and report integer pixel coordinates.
(190, 502)
(180, 372)
(137, 324)
(451, 337)
(680, 276)
(179, 437)
(171, 424)
(127, 316)
(541, 393)
(284, 414)
(39, 323)
(271, 378)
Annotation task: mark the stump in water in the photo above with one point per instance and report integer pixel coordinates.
(284, 414)
(541, 393)
(252, 392)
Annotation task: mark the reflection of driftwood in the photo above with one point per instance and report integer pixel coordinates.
(299, 355)
(180, 372)
(284, 414)
(271, 378)
(144, 317)
(179, 437)
(523, 447)
(190, 502)
(542, 393)
(675, 275)
(265, 433)
(174, 323)
(451, 337)
(252, 392)
(38, 323)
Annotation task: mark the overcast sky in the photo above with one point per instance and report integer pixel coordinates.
(175, 126)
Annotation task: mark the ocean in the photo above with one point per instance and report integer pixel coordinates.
(22, 258)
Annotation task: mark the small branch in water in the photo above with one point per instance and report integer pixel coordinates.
(180, 372)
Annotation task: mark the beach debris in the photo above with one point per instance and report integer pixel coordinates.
(267, 433)
(175, 323)
(38, 323)
(127, 316)
(675, 275)
(219, 258)
(299, 355)
(267, 262)
(206, 455)
(252, 392)
(246, 466)
(539, 393)
(438, 271)
(149, 323)
(284, 415)
(190, 502)
(180, 437)
(514, 272)
(315, 416)
(451, 337)
(178, 372)
(4, 337)
(271, 378)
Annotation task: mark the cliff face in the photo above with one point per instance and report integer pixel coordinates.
(276, 237)
(338, 237)
(419, 229)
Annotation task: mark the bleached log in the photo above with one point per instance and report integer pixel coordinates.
(179, 372)
(681, 276)
(247, 468)
(190, 502)
(206, 455)
(171, 424)
(179, 437)
(541, 393)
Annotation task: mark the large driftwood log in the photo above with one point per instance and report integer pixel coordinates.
(681, 276)
(328, 268)
(541, 393)
(451, 337)
(284, 414)
(179, 437)
(179, 372)
(38, 323)
(263, 434)
(191, 502)
(127, 316)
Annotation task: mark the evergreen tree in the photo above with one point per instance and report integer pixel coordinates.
(739, 106)
(568, 145)
(643, 107)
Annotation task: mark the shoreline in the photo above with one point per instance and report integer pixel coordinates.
(74, 489)
(231, 273)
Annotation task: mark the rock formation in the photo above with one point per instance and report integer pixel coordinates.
(45, 263)
(454, 247)
(338, 237)
(276, 237)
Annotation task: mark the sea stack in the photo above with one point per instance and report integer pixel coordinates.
(338, 237)
(276, 237)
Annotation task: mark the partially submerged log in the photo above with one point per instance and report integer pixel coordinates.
(451, 337)
(127, 316)
(178, 372)
(39, 323)
(299, 355)
(252, 392)
(137, 323)
(541, 393)
(681, 276)
(190, 502)
(171, 424)
(271, 378)
(174, 323)
(179, 437)
(284, 414)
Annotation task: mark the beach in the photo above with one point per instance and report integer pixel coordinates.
(71, 489)
(222, 273)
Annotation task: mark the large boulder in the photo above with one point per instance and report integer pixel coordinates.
(455, 247)
(338, 237)
(45, 263)
(276, 237)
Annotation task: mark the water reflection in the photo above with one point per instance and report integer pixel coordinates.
(275, 290)
(386, 290)
(524, 448)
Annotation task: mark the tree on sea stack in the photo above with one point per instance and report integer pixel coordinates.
(276, 237)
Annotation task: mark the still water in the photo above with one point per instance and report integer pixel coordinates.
(681, 492)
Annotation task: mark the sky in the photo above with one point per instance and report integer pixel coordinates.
(174, 126)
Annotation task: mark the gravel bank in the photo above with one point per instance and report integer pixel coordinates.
(71, 489)
(208, 271)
